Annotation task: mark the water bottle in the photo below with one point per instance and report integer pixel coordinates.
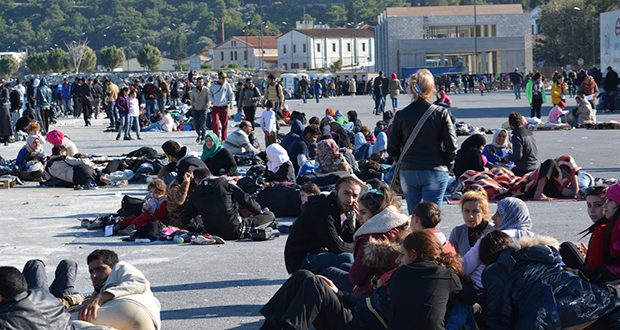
(182, 238)
(142, 240)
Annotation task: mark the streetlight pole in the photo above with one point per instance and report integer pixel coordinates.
(475, 39)
(103, 35)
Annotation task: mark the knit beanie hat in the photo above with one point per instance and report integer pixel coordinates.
(613, 193)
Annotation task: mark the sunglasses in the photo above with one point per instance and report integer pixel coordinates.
(370, 194)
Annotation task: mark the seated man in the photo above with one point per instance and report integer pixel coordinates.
(180, 159)
(215, 200)
(426, 216)
(73, 170)
(584, 113)
(238, 141)
(303, 148)
(122, 297)
(322, 236)
(524, 148)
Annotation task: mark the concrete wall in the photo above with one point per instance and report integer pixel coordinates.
(392, 31)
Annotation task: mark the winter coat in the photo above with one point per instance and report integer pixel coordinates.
(286, 173)
(434, 148)
(66, 91)
(86, 93)
(585, 113)
(395, 88)
(34, 309)
(557, 92)
(529, 91)
(123, 105)
(383, 226)
(420, 292)
(61, 167)
(222, 163)
(150, 92)
(184, 163)
(199, 98)
(216, 201)
(514, 288)
(524, 149)
(238, 142)
(6, 123)
(318, 229)
(44, 94)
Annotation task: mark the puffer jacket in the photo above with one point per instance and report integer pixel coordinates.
(515, 296)
(434, 148)
(33, 309)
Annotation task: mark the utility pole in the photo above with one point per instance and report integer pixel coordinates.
(475, 39)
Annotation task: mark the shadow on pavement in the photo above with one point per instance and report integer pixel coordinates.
(212, 312)
(217, 285)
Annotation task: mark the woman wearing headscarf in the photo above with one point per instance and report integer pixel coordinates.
(329, 158)
(469, 157)
(498, 150)
(588, 87)
(512, 218)
(297, 130)
(394, 88)
(31, 160)
(217, 158)
(56, 137)
(279, 166)
(357, 124)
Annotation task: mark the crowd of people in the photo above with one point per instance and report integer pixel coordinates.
(356, 259)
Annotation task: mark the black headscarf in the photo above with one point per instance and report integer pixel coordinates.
(469, 157)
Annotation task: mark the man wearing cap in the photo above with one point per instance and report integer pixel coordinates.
(516, 78)
(222, 96)
(274, 93)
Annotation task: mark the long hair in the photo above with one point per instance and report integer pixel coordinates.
(425, 244)
(422, 85)
(376, 200)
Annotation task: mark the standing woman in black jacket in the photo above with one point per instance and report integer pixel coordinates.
(217, 158)
(424, 167)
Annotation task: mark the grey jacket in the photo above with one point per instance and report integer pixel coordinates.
(44, 95)
(34, 309)
(434, 148)
(199, 98)
(524, 149)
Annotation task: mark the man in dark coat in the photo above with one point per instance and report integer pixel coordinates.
(181, 158)
(6, 123)
(216, 200)
(611, 88)
(16, 103)
(322, 236)
(86, 94)
(524, 148)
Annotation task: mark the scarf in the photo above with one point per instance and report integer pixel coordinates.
(330, 152)
(506, 143)
(588, 85)
(210, 153)
(30, 144)
(276, 156)
(474, 234)
(515, 216)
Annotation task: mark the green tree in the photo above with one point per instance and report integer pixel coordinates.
(178, 49)
(149, 57)
(37, 63)
(8, 66)
(89, 60)
(111, 57)
(336, 66)
(57, 60)
(337, 15)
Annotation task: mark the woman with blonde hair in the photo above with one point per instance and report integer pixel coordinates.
(475, 210)
(423, 158)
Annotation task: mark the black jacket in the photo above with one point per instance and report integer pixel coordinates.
(524, 149)
(34, 309)
(184, 162)
(86, 93)
(222, 163)
(434, 148)
(515, 296)
(611, 81)
(318, 230)
(419, 295)
(97, 90)
(216, 201)
(286, 173)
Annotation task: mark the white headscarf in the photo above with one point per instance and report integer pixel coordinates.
(276, 156)
(30, 143)
(496, 134)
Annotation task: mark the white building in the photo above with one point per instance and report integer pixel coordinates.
(132, 64)
(317, 48)
(18, 56)
(246, 52)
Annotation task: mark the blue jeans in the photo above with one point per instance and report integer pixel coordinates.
(304, 95)
(394, 102)
(63, 284)
(427, 186)
(379, 104)
(200, 122)
(150, 108)
(317, 95)
(113, 114)
(123, 124)
(154, 127)
(161, 104)
(517, 89)
(133, 122)
(340, 276)
(317, 263)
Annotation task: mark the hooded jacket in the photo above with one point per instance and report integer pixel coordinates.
(524, 149)
(515, 294)
(33, 309)
(188, 158)
(44, 94)
(216, 201)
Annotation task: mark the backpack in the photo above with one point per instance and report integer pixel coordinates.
(299, 116)
(281, 200)
(130, 206)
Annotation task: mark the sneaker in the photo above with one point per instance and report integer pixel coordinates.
(118, 137)
(127, 231)
(90, 186)
(96, 224)
(127, 138)
(77, 187)
(139, 138)
(114, 184)
(201, 240)
(198, 139)
(116, 228)
(84, 223)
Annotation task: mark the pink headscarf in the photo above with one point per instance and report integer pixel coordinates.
(55, 137)
(394, 76)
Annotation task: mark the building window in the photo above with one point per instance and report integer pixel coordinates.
(245, 55)
(333, 47)
(285, 66)
(363, 46)
(235, 55)
(318, 48)
(304, 48)
(232, 55)
(348, 47)
(304, 65)
(222, 55)
(294, 48)
(284, 49)
(294, 65)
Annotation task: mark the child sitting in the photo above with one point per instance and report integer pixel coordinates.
(558, 114)
(307, 190)
(370, 138)
(153, 209)
(426, 216)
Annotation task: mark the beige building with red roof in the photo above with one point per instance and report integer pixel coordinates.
(247, 51)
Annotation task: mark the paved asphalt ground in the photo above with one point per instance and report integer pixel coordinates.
(224, 286)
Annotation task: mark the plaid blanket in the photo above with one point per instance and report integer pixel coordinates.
(500, 183)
